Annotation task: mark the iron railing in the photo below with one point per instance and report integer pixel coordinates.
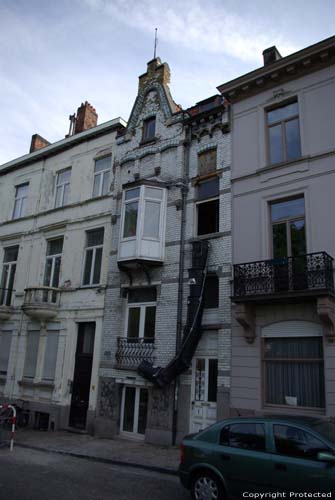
(132, 351)
(309, 272)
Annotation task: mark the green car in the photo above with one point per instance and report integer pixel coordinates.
(259, 458)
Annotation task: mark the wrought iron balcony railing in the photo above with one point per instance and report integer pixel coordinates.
(132, 351)
(310, 273)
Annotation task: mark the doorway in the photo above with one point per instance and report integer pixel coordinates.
(82, 375)
(134, 409)
(204, 389)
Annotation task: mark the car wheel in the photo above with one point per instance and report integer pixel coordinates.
(206, 486)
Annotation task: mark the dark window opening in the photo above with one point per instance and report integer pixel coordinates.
(211, 292)
(149, 128)
(208, 217)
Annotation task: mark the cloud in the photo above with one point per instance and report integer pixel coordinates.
(205, 27)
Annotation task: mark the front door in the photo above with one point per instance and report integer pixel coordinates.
(204, 388)
(134, 409)
(82, 375)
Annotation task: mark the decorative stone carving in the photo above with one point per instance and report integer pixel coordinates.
(245, 315)
(326, 312)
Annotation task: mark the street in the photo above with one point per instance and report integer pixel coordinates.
(32, 475)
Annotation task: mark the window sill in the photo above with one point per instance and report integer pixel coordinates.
(210, 236)
(85, 287)
(30, 382)
(145, 142)
(273, 166)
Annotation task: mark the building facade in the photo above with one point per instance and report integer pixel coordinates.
(283, 158)
(55, 233)
(165, 364)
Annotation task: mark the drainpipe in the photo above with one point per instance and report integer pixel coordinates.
(184, 192)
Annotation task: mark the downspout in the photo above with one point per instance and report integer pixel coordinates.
(184, 193)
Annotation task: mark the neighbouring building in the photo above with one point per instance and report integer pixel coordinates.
(165, 363)
(55, 234)
(283, 182)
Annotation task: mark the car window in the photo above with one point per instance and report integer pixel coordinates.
(295, 442)
(247, 436)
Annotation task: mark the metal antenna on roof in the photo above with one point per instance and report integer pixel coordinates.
(156, 42)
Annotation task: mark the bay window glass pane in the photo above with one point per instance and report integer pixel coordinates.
(130, 219)
(151, 219)
(142, 411)
(294, 371)
(153, 193)
(5, 343)
(88, 267)
(132, 193)
(287, 209)
(276, 144)
(129, 409)
(96, 185)
(50, 358)
(212, 379)
(150, 321)
(133, 322)
(97, 266)
(279, 239)
(298, 238)
(31, 354)
(292, 139)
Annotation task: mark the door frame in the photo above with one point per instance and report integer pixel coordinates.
(133, 435)
(206, 402)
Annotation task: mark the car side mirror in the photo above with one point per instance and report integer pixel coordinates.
(325, 456)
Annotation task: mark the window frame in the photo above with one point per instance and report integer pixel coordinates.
(283, 123)
(207, 200)
(314, 409)
(21, 200)
(287, 221)
(208, 151)
(146, 127)
(134, 433)
(10, 264)
(53, 258)
(7, 333)
(141, 200)
(62, 186)
(142, 306)
(102, 174)
(94, 248)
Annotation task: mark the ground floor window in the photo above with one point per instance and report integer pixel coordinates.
(294, 371)
(134, 410)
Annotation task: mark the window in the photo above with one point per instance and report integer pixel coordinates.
(20, 204)
(288, 227)
(294, 371)
(149, 128)
(246, 436)
(143, 208)
(30, 361)
(53, 262)
(102, 170)
(50, 356)
(211, 292)
(8, 275)
(207, 162)
(93, 256)
(141, 315)
(284, 133)
(5, 343)
(294, 442)
(134, 410)
(206, 373)
(63, 187)
(208, 207)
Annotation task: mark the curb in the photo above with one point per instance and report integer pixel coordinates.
(152, 468)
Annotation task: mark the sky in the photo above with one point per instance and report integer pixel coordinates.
(55, 55)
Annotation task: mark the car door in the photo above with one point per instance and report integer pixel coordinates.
(295, 464)
(243, 459)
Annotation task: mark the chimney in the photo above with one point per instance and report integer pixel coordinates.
(86, 118)
(37, 142)
(271, 55)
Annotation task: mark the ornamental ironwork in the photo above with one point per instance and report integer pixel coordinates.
(309, 272)
(132, 351)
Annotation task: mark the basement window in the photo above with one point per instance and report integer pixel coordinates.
(207, 207)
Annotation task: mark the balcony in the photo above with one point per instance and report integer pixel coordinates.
(290, 278)
(41, 303)
(131, 352)
(5, 303)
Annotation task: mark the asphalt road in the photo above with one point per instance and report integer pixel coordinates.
(33, 475)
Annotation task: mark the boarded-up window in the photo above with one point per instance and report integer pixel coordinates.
(30, 362)
(5, 342)
(50, 356)
(207, 162)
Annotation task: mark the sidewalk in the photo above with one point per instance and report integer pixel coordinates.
(117, 451)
